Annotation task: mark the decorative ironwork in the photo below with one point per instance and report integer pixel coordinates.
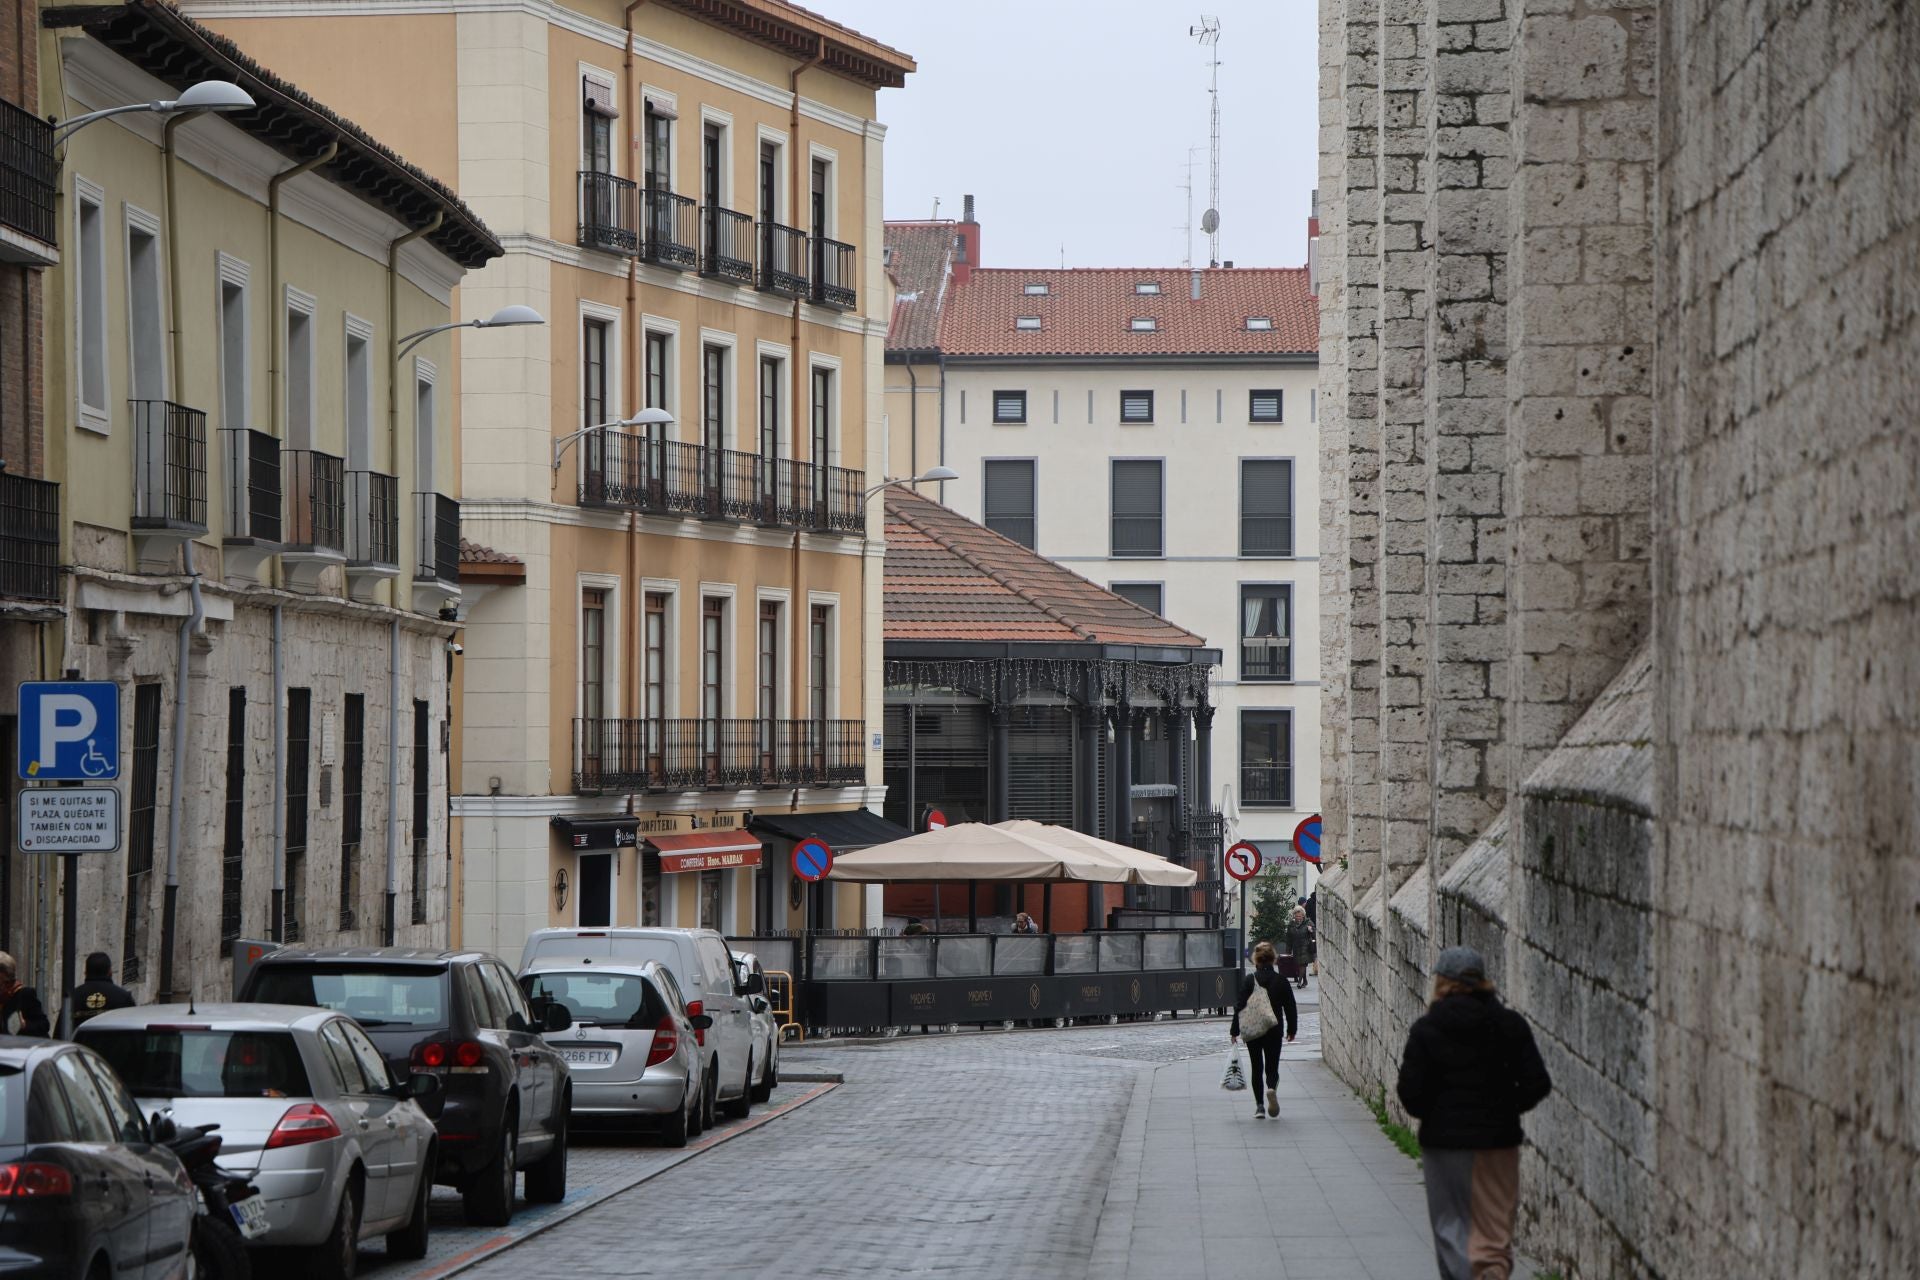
(671, 477)
(252, 460)
(439, 538)
(607, 213)
(672, 228)
(783, 260)
(316, 500)
(29, 538)
(833, 273)
(1010, 679)
(29, 179)
(169, 467)
(373, 518)
(613, 755)
(726, 244)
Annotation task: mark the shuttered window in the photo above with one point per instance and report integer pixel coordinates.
(1010, 499)
(1263, 406)
(1266, 507)
(1137, 516)
(1136, 406)
(1040, 782)
(1009, 406)
(1148, 595)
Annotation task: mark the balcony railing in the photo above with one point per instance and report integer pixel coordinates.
(783, 260)
(833, 270)
(726, 244)
(608, 213)
(373, 518)
(169, 467)
(1267, 784)
(669, 477)
(316, 501)
(439, 536)
(28, 178)
(252, 462)
(672, 227)
(1265, 658)
(716, 755)
(29, 538)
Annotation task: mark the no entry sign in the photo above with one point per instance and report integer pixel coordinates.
(812, 858)
(1243, 861)
(936, 820)
(1306, 840)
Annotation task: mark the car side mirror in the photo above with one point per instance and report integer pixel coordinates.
(759, 1004)
(555, 1017)
(756, 983)
(421, 1084)
(701, 1021)
(161, 1128)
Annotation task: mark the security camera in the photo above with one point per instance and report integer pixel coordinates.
(454, 646)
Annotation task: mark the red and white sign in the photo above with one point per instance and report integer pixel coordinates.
(936, 820)
(706, 851)
(1243, 860)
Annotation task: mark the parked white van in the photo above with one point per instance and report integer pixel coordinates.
(703, 966)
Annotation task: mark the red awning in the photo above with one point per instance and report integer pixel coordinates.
(706, 851)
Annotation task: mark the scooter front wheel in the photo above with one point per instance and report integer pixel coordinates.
(218, 1251)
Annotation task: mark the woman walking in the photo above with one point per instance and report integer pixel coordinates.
(1300, 945)
(1266, 999)
(1469, 1071)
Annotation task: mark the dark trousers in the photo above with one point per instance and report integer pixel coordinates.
(1265, 1053)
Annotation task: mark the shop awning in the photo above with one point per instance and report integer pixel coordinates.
(844, 831)
(706, 851)
(582, 834)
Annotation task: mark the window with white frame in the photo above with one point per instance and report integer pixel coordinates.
(1266, 631)
(1008, 498)
(1259, 323)
(1146, 286)
(146, 319)
(1266, 507)
(1029, 324)
(1266, 759)
(359, 375)
(233, 354)
(90, 301)
(299, 373)
(1036, 289)
(1143, 324)
(1138, 507)
(425, 449)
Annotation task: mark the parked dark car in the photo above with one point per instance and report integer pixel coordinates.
(85, 1194)
(461, 1016)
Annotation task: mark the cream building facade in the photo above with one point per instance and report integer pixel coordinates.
(690, 193)
(255, 513)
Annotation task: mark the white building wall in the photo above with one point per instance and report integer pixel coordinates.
(1202, 570)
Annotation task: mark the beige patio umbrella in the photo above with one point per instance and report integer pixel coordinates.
(1141, 867)
(977, 851)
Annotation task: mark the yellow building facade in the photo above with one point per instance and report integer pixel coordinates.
(688, 639)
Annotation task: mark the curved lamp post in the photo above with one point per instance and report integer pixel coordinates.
(933, 475)
(504, 318)
(644, 418)
(207, 95)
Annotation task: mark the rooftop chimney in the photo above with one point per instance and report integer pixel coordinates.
(967, 251)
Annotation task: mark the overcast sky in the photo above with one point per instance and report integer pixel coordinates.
(1070, 122)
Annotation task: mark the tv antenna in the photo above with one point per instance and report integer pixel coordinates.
(1187, 187)
(1208, 33)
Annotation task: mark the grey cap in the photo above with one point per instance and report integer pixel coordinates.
(1462, 964)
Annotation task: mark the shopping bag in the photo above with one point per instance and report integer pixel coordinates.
(1236, 1077)
(1258, 1017)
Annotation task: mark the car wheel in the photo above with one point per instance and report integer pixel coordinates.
(763, 1089)
(410, 1241)
(675, 1128)
(217, 1251)
(338, 1256)
(547, 1177)
(739, 1107)
(487, 1200)
(711, 1106)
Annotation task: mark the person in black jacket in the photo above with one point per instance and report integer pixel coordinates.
(1470, 1070)
(99, 993)
(1265, 1050)
(20, 1011)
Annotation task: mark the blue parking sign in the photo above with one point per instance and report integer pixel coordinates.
(69, 730)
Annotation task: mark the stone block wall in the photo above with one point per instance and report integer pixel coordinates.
(1621, 344)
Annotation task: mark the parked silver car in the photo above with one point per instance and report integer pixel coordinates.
(306, 1109)
(633, 1049)
(766, 1028)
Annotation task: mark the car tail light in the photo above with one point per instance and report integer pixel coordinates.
(666, 1039)
(463, 1056)
(468, 1055)
(694, 1009)
(34, 1181)
(308, 1122)
(430, 1055)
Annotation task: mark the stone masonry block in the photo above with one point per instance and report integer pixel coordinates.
(1572, 59)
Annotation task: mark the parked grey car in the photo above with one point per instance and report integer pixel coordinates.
(766, 1028)
(306, 1109)
(633, 1049)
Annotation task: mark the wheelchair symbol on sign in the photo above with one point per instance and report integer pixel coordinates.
(93, 764)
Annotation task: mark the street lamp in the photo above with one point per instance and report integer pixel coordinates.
(932, 476)
(504, 318)
(644, 418)
(207, 95)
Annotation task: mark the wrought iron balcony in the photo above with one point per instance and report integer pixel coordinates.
(1266, 658)
(612, 755)
(608, 213)
(1267, 785)
(439, 534)
(672, 227)
(28, 183)
(252, 462)
(29, 538)
(726, 244)
(669, 477)
(783, 260)
(373, 520)
(169, 468)
(316, 503)
(833, 270)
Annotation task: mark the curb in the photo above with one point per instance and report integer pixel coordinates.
(908, 1037)
(814, 1077)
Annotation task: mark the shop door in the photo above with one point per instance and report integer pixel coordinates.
(595, 893)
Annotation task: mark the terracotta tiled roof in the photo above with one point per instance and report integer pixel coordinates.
(1089, 311)
(919, 257)
(948, 578)
(475, 553)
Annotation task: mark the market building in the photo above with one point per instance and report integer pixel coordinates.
(690, 193)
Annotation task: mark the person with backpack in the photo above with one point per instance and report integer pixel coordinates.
(1265, 997)
(99, 992)
(1470, 1070)
(21, 1013)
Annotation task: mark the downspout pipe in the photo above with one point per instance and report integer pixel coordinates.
(636, 352)
(195, 621)
(797, 403)
(423, 484)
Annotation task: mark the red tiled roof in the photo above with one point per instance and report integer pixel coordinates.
(948, 578)
(475, 553)
(1088, 311)
(919, 257)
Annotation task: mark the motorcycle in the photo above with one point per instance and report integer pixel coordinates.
(232, 1211)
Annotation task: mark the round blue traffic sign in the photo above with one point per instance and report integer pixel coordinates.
(1306, 840)
(812, 858)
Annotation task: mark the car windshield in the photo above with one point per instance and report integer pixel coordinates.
(604, 947)
(598, 999)
(373, 997)
(155, 1062)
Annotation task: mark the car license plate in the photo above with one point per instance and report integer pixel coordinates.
(587, 1057)
(250, 1215)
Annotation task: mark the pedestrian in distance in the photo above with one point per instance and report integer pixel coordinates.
(1470, 1070)
(913, 928)
(98, 993)
(1024, 923)
(21, 1013)
(1300, 945)
(1268, 1015)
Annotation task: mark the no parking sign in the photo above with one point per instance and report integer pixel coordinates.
(1306, 840)
(812, 859)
